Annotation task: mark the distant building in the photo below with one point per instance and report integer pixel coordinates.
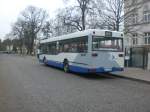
(137, 31)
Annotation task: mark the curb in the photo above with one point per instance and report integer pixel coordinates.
(131, 78)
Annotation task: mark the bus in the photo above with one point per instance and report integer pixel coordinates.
(89, 51)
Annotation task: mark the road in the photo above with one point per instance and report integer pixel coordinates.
(27, 86)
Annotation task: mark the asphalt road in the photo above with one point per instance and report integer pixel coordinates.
(27, 86)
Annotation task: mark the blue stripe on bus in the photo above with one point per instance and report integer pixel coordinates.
(78, 69)
(93, 70)
(55, 64)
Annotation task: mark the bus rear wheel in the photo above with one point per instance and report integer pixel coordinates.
(66, 66)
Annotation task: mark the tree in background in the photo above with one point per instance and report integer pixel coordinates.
(76, 15)
(18, 31)
(7, 44)
(62, 23)
(1, 45)
(47, 29)
(35, 19)
(16, 45)
(113, 13)
(84, 7)
(29, 24)
(94, 14)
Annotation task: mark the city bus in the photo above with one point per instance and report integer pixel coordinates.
(89, 51)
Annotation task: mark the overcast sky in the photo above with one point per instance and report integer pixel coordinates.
(10, 9)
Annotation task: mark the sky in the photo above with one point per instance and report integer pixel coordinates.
(10, 10)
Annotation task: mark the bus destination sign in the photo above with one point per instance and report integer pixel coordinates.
(108, 34)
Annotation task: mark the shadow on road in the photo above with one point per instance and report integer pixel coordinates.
(93, 76)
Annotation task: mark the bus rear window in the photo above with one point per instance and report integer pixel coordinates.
(107, 43)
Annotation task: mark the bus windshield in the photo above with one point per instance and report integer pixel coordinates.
(107, 43)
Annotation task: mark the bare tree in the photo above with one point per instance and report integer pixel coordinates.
(7, 43)
(47, 29)
(34, 18)
(18, 31)
(95, 18)
(113, 13)
(77, 14)
(83, 6)
(1, 46)
(118, 13)
(72, 18)
(62, 23)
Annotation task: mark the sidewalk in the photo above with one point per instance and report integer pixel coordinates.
(137, 74)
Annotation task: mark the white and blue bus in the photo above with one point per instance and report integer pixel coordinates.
(89, 51)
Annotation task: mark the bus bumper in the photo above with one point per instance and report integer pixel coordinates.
(94, 70)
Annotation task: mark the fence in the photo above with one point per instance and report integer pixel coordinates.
(139, 56)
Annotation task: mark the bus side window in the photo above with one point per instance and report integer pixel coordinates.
(74, 45)
(82, 47)
(52, 48)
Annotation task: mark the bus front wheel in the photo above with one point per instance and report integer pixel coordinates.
(66, 66)
(45, 61)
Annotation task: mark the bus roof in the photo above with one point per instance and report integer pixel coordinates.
(95, 32)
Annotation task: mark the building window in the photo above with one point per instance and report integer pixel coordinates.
(135, 39)
(146, 16)
(135, 18)
(147, 38)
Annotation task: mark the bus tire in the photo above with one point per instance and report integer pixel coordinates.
(45, 61)
(66, 66)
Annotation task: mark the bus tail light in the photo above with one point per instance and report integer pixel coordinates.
(120, 55)
(94, 54)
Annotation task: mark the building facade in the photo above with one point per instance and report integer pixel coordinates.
(137, 31)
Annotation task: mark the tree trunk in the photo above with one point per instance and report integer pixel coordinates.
(117, 26)
(83, 19)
